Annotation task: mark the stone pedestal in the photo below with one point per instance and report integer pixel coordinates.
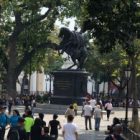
(69, 86)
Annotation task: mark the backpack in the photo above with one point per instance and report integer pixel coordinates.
(13, 134)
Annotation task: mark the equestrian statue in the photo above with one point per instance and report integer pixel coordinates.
(74, 45)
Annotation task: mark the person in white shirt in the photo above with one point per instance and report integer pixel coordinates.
(108, 108)
(93, 103)
(70, 129)
(87, 114)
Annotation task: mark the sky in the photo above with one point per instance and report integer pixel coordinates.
(60, 24)
(71, 24)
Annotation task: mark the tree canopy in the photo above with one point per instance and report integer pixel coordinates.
(25, 27)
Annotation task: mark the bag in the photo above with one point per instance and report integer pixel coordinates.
(13, 134)
(105, 108)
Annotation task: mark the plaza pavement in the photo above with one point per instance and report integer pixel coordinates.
(85, 134)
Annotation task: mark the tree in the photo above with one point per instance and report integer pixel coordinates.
(24, 30)
(116, 22)
(109, 67)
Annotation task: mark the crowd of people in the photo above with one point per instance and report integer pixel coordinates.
(26, 127)
(94, 108)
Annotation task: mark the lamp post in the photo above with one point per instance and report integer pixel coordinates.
(97, 87)
(127, 74)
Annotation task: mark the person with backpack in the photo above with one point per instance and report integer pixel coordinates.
(4, 120)
(54, 125)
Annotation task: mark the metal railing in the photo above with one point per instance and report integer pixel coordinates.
(130, 134)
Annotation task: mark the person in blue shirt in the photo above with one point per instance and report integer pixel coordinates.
(14, 118)
(13, 121)
(4, 120)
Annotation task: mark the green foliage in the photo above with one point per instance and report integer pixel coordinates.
(42, 99)
(113, 22)
(27, 25)
(106, 66)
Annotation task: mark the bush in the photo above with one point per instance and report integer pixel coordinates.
(42, 99)
(38, 99)
(45, 98)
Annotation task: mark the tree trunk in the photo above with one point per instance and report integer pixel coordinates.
(134, 93)
(11, 84)
(11, 73)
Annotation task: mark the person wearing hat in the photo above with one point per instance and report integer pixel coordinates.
(4, 120)
(54, 125)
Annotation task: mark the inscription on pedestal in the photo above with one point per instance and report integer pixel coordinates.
(63, 85)
(69, 86)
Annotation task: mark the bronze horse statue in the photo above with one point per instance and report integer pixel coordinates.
(74, 45)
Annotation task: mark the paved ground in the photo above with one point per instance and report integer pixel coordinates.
(84, 134)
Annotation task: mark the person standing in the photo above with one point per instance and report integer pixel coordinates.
(54, 125)
(28, 123)
(93, 103)
(4, 120)
(41, 117)
(87, 111)
(70, 111)
(10, 103)
(36, 130)
(97, 116)
(14, 118)
(70, 129)
(21, 130)
(13, 123)
(75, 106)
(33, 105)
(108, 108)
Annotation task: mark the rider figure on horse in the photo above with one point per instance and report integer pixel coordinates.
(74, 45)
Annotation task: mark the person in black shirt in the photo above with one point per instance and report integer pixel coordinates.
(21, 130)
(41, 117)
(54, 125)
(36, 130)
(117, 133)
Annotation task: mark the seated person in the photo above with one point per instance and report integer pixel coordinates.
(116, 134)
(111, 127)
